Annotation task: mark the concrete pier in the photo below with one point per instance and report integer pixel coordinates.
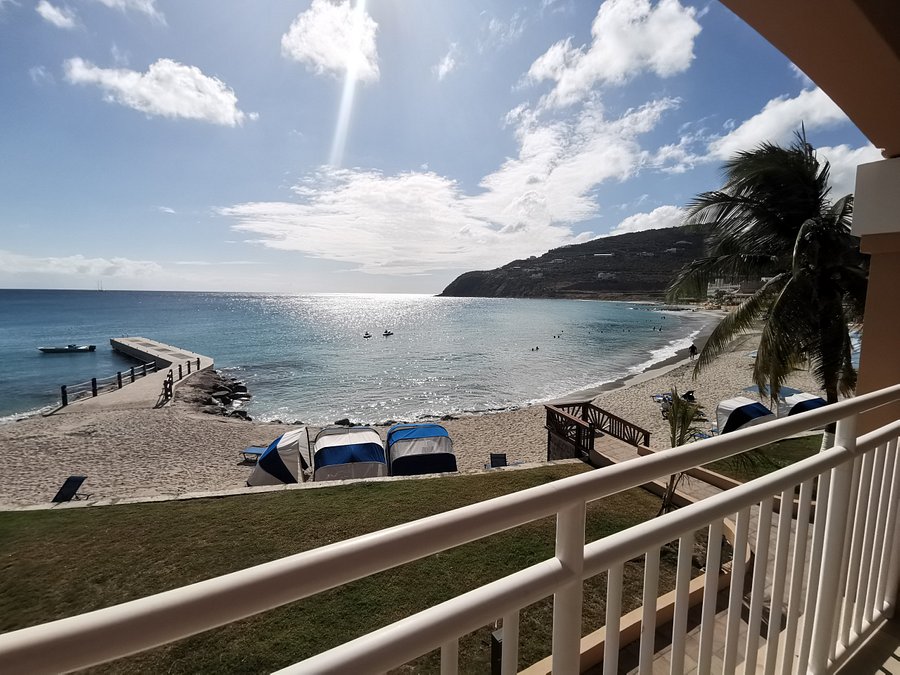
(162, 354)
(145, 392)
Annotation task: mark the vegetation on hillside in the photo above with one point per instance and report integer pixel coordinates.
(636, 265)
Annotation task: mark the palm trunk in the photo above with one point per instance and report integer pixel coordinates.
(831, 396)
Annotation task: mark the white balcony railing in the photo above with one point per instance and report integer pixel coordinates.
(837, 577)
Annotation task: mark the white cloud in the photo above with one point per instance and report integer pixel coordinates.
(498, 34)
(447, 64)
(40, 75)
(119, 56)
(167, 89)
(627, 37)
(844, 160)
(778, 120)
(76, 265)
(334, 38)
(147, 7)
(210, 263)
(165, 209)
(803, 77)
(524, 207)
(657, 219)
(61, 17)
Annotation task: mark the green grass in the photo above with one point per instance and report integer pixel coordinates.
(773, 457)
(55, 564)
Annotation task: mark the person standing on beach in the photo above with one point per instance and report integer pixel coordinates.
(692, 351)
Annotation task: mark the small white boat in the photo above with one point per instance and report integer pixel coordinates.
(387, 333)
(68, 349)
(367, 335)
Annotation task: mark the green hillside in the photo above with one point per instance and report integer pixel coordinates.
(629, 266)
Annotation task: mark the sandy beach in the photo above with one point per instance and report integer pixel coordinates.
(175, 449)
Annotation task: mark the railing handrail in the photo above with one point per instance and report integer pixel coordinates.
(587, 409)
(144, 623)
(571, 418)
(401, 641)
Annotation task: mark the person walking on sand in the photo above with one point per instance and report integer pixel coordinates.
(692, 351)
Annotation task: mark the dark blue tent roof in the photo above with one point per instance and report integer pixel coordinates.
(402, 432)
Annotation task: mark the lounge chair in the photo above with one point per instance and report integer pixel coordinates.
(252, 454)
(69, 490)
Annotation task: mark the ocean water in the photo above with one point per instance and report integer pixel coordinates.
(304, 358)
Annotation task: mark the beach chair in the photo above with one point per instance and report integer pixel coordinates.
(251, 454)
(69, 490)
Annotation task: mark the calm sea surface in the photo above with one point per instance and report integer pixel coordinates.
(304, 357)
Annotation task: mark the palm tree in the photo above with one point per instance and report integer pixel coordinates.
(773, 219)
(683, 416)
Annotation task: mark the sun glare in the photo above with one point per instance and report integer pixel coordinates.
(346, 108)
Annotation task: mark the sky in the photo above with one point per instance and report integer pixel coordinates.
(369, 146)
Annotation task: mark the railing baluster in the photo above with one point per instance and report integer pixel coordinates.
(892, 482)
(862, 475)
(613, 617)
(892, 581)
(815, 569)
(795, 595)
(845, 594)
(450, 657)
(782, 546)
(879, 503)
(710, 591)
(760, 566)
(736, 592)
(648, 616)
(682, 591)
(869, 491)
(568, 599)
(509, 654)
(833, 552)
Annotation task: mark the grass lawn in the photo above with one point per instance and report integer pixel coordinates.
(55, 564)
(775, 456)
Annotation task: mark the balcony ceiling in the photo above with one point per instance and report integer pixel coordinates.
(850, 48)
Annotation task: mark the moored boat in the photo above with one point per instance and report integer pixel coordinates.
(68, 349)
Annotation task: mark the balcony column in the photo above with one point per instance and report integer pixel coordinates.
(876, 220)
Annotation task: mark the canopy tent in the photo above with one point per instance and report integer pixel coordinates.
(784, 391)
(739, 413)
(420, 448)
(283, 461)
(342, 453)
(799, 402)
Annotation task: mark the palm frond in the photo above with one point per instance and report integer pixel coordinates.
(738, 321)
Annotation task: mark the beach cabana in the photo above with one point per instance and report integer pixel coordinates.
(741, 412)
(342, 453)
(283, 461)
(420, 448)
(799, 402)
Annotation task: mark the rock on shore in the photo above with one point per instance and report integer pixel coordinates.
(213, 393)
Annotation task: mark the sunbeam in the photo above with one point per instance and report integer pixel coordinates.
(344, 112)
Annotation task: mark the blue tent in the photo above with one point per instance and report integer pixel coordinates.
(283, 461)
(342, 453)
(799, 402)
(420, 448)
(741, 412)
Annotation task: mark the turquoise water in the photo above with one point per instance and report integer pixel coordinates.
(304, 356)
